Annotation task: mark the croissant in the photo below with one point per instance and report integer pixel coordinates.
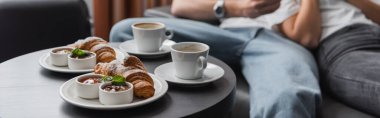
(134, 62)
(133, 73)
(104, 53)
(142, 82)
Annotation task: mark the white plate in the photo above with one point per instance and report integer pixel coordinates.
(68, 93)
(130, 47)
(211, 73)
(45, 63)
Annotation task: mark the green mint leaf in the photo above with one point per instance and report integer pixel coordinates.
(118, 80)
(78, 52)
(106, 78)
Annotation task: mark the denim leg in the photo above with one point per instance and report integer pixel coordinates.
(283, 78)
(224, 44)
(282, 74)
(350, 66)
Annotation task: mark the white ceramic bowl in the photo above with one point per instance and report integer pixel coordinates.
(115, 98)
(59, 59)
(87, 91)
(85, 63)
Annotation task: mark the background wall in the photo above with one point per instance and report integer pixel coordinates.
(90, 6)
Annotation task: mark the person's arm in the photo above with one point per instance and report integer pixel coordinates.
(305, 26)
(203, 9)
(369, 8)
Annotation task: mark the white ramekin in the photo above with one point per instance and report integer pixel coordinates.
(87, 91)
(57, 59)
(86, 63)
(115, 98)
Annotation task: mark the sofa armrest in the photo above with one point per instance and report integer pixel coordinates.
(30, 25)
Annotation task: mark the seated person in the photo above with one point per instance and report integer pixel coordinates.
(349, 55)
(282, 75)
(348, 48)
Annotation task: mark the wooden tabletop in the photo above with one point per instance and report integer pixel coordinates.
(28, 90)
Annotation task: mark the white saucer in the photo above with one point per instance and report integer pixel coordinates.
(211, 73)
(45, 63)
(130, 47)
(68, 93)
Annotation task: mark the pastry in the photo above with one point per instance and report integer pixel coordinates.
(104, 53)
(135, 62)
(133, 71)
(143, 89)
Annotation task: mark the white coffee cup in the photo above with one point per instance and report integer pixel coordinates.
(150, 36)
(190, 59)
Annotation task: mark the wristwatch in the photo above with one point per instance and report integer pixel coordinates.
(219, 9)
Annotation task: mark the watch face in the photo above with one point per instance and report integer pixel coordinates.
(218, 10)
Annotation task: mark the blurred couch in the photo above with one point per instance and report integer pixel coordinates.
(330, 107)
(30, 25)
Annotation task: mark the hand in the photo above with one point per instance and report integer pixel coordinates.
(255, 8)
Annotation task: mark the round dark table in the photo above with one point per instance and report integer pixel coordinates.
(28, 90)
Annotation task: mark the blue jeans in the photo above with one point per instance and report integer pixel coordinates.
(282, 75)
